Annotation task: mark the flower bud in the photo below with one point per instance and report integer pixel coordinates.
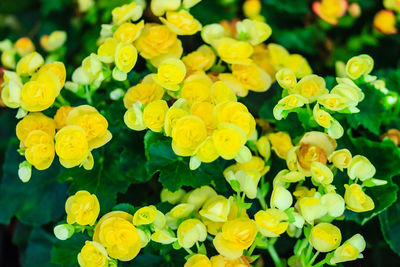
(172, 197)
(53, 41)
(144, 237)
(216, 209)
(271, 222)
(334, 203)
(178, 212)
(145, 215)
(325, 237)
(244, 155)
(286, 78)
(385, 22)
(191, 231)
(197, 261)
(25, 171)
(281, 198)
(198, 196)
(360, 168)
(8, 59)
(264, 147)
(350, 250)
(64, 231)
(24, 46)
(29, 63)
(163, 236)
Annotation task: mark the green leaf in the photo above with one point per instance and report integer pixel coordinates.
(38, 252)
(390, 225)
(65, 252)
(37, 202)
(129, 208)
(174, 170)
(288, 6)
(302, 39)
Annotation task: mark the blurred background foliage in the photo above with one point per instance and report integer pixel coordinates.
(26, 222)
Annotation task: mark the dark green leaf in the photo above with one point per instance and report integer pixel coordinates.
(390, 225)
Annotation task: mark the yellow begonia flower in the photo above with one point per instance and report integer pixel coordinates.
(221, 92)
(335, 204)
(203, 58)
(310, 87)
(287, 103)
(271, 222)
(206, 152)
(127, 12)
(39, 149)
(163, 236)
(199, 196)
(125, 57)
(385, 22)
(29, 63)
(325, 237)
(38, 95)
(106, 50)
(322, 117)
(251, 8)
(299, 65)
(145, 215)
(233, 51)
(358, 66)
(24, 46)
(321, 173)
(154, 115)
(198, 260)
(82, 208)
(221, 261)
(72, 146)
(92, 122)
(228, 139)
(170, 73)
(35, 121)
(204, 110)
(173, 115)
(290, 176)
(93, 254)
(247, 179)
(196, 88)
(236, 235)
(11, 89)
(360, 168)
(281, 198)
(330, 10)
(128, 32)
(341, 158)
(181, 22)
(281, 143)
(119, 236)
(133, 117)
(191, 231)
(212, 33)
(146, 92)
(264, 147)
(251, 77)
(350, 250)
(172, 197)
(234, 84)
(189, 132)
(178, 212)
(53, 41)
(333, 102)
(311, 208)
(8, 59)
(159, 7)
(216, 209)
(286, 78)
(58, 69)
(254, 31)
(356, 199)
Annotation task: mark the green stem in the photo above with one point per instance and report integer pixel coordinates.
(62, 100)
(253, 247)
(309, 251)
(313, 258)
(321, 263)
(88, 95)
(262, 202)
(189, 251)
(275, 257)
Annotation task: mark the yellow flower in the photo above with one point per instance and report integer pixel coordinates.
(335, 204)
(356, 199)
(212, 33)
(92, 122)
(299, 65)
(392, 5)
(311, 208)
(146, 92)
(247, 179)
(281, 198)
(29, 63)
(61, 116)
(82, 208)
(204, 110)
(170, 73)
(322, 117)
(133, 117)
(159, 7)
(228, 140)
(157, 40)
(189, 132)
(287, 103)
(119, 236)
(251, 77)
(53, 41)
(172, 197)
(191, 231)
(255, 31)
(125, 57)
(202, 58)
(264, 147)
(57, 68)
(333, 102)
(198, 196)
(349, 91)
(196, 88)
(251, 8)
(24, 46)
(206, 152)
(198, 260)
(286, 78)
(325, 237)
(233, 83)
(38, 96)
(216, 209)
(35, 121)
(93, 254)
(127, 12)
(181, 22)
(233, 51)
(358, 66)
(177, 213)
(321, 173)
(145, 215)
(11, 89)
(163, 236)
(361, 168)
(350, 250)
(271, 222)
(330, 10)
(340, 158)
(236, 235)
(128, 32)
(310, 87)
(385, 22)
(72, 146)
(221, 261)
(281, 143)
(39, 149)
(154, 115)
(173, 115)
(8, 59)
(221, 92)
(289, 176)
(106, 50)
